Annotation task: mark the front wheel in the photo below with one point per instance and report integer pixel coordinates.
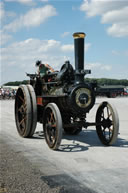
(52, 126)
(107, 123)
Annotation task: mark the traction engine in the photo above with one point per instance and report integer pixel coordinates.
(60, 101)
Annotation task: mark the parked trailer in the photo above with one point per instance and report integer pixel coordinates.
(110, 90)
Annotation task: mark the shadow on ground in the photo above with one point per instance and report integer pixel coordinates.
(82, 142)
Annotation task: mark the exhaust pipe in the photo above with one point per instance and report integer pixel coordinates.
(79, 57)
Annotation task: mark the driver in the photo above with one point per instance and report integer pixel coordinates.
(43, 69)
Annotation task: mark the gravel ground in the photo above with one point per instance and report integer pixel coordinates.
(18, 175)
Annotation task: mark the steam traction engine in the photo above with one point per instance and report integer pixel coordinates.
(60, 101)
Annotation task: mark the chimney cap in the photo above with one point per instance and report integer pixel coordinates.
(79, 35)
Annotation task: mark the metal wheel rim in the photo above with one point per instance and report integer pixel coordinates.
(34, 109)
(23, 111)
(109, 123)
(52, 126)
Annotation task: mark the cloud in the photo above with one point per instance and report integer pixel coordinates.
(26, 2)
(32, 18)
(112, 12)
(4, 38)
(118, 30)
(99, 7)
(118, 16)
(2, 12)
(70, 47)
(120, 53)
(115, 52)
(99, 66)
(67, 47)
(44, 0)
(87, 46)
(15, 54)
(20, 57)
(65, 34)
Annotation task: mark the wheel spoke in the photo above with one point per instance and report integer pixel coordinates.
(102, 115)
(109, 133)
(20, 123)
(52, 117)
(54, 125)
(20, 109)
(21, 98)
(107, 111)
(110, 115)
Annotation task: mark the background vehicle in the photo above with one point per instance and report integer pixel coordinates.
(110, 91)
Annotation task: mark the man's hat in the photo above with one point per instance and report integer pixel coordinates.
(38, 62)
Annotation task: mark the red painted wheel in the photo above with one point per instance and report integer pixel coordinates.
(52, 126)
(34, 109)
(25, 111)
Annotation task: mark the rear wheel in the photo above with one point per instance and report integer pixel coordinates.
(107, 123)
(23, 111)
(52, 126)
(34, 109)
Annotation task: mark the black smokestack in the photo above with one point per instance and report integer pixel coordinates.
(79, 56)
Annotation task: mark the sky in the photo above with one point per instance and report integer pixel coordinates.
(32, 30)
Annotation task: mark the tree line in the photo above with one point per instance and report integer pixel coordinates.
(99, 81)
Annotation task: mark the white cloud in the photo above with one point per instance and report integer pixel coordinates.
(115, 52)
(99, 66)
(65, 34)
(112, 12)
(99, 7)
(70, 47)
(5, 14)
(87, 46)
(67, 47)
(2, 12)
(20, 57)
(118, 16)
(32, 18)
(44, 0)
(27, 2)
(4, 38)
(118, 30)
(15, 54)
(120, 53)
